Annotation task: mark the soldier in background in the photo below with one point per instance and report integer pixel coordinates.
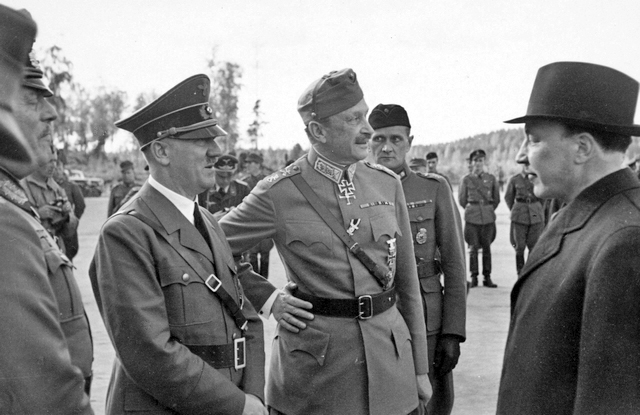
(40, 372)
(527, 215)
(418, 165)
(74, 194)
(479, 196)
(432, 165)
(120, 191)
(253, 167)
(439, 250)
(227, 192)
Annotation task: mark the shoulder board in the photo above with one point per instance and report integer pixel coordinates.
(381, 168)
(431, 176)
(275, 177)
(242, 182)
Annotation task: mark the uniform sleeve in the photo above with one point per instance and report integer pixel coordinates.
(111, 205)
(510, 194)
(409, 296)
(495, 195)
(608, 375)
(462, 193)
(450, 242)
(78, 200)
(245, 226)
(132, 304)
(37, 375)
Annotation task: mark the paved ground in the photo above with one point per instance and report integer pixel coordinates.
(476, 376)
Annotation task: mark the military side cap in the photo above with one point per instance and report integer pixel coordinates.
(126, 165)
(584, 94)
(17, 34)
(253, 158)
(476, 153)
(418, 162)
(226, 162)
(388, 115)
(181, 113)
(431, 155)
(333, 93)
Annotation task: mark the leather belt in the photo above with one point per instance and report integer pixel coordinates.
(363, 307)
(526, 199)
(224, 355)
(478, 202)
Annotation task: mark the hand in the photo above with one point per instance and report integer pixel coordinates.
(424, 388)
(253, 406)
(447, 354)
(286, 308)
(48, 211)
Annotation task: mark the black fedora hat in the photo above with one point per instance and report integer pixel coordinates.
(584, 94)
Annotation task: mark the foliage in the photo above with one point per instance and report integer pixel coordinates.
(225, 88)
(58, 69)
(107, 108)
(254, 131)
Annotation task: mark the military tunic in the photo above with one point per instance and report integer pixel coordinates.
(117, 196)
(338, 365)
(214, 201)
(259, 254)
(527, 216)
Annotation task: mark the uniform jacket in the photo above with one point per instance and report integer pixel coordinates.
(214, 202)
(155, 305)
(252, 180)
(573, 339)
(479, 196)
(46, 193)
(117, 196)
(36, 372)
(436, 226)
(525, 207)
(327, 367)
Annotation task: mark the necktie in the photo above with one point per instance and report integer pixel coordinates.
(221, 191)
(199, 222)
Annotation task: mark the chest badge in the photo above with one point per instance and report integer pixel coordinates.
(421, 236)
(347, 190)
(353, 226)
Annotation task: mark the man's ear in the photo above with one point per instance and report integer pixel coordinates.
(317, 132)
(410, 140)
(586, 147)
(160, 151)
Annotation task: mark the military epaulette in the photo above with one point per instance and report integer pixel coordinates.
(431, 176)
(275, 177)
(242, 182)
(381, 168)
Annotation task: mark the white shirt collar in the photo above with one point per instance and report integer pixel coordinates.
(183, 204)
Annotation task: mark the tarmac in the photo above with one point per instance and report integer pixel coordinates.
(476, 376)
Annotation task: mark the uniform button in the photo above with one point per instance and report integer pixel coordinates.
(185, 277)
(234, 336)
(420, 218)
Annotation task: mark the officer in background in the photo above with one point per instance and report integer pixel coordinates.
(355, 356)
(439, 249)
(253, 167)
(227, 192)
(527, 215)
(479, 196)
(120, 191)
(432, 165)
(419, 165)
(186, 339)
(74, 194)
(40, 372)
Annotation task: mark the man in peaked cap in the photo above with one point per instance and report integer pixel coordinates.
(354, 356)
(39, 360)
(120, 191)
(572, 346)
(227, 192)
(165, 281)
(436, 231)
(479, 195)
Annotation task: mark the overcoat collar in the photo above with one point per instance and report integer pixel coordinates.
(573, 217)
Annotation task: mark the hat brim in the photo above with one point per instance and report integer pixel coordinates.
(15, 152)
(39, 85)
(211, 131)
(633, 130)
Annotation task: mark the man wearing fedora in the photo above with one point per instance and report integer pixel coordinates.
(166, 284)
(342, 229)
(227, 192)
(572, 346)
(39, 360)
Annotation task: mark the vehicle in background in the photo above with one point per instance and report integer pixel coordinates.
(90, 186)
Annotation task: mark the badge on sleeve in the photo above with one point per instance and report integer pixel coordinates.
(421, 236)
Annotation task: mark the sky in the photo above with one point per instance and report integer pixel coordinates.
(459, 68)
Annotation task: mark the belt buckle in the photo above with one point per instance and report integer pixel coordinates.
(239, 353)
(216, 280)
(365, 307)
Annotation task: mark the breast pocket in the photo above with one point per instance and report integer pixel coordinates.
(312, 236)
(422, 213)
(187, 299)
(384, 224)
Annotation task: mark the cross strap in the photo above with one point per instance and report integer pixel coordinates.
(381, 273)
(212, 282)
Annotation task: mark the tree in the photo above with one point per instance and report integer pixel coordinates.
(58, 69)
(107, 109)
(254, 131)
(225, 87)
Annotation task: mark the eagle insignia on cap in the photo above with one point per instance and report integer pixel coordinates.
(204, 87)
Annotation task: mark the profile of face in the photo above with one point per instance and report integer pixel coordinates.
(34, 114)
(47, 170)
(58, 173)
(390, 146)
(252, 168)
(432, 165)
(477, 165)
(345, 137)
(128, 176)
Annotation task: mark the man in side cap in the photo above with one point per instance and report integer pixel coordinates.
(432, 165)
(122, 189)
(227, 192)
(354, 356)
(436, 231)
(479, 196)
(166, 284)
(39, 359)
(572, 346)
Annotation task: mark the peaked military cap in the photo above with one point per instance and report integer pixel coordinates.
(33, 74)
(253, 158)
(418, 162)
(333, 93)
(388, 115)
(431, 155)
(126, 165)
(17, 34)
(584, 94)
(226, 162)
(183, 112)
(476, 153)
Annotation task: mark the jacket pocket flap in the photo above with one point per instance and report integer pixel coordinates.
(384, 224)
(177, 275)
(422, 213)
(309, 340)
(308, 233)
